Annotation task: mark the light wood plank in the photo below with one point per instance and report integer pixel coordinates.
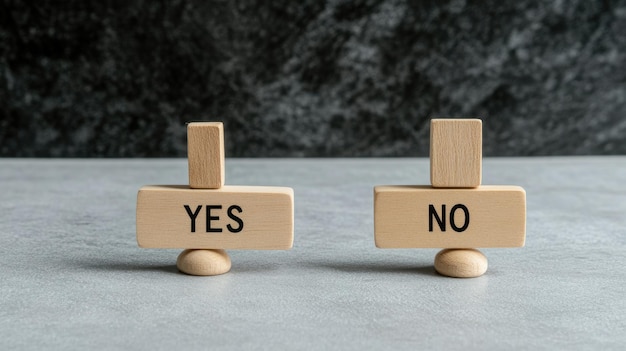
(205, 153)
(250, 217)
(455, 153)
(403, 217)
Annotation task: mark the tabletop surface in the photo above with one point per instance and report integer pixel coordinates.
(73, 277)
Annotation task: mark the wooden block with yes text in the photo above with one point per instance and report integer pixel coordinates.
(232, 217)
(425, 217)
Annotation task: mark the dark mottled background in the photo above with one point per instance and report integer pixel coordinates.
(310, 78)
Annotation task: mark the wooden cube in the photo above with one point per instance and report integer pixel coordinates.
(455, 153)
(205, 152)
(425, 217)
(232, 217)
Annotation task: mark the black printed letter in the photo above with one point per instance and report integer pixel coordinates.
(452, 221)
(442, 221)
(209, 218)
(235, 218)
(193, 216)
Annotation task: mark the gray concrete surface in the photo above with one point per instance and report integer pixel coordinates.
(72, 276)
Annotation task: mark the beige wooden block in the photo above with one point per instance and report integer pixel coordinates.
(203, 262)
(421, 216)
(461, 263)
(233, 217)
(455, 153)
(205, 153)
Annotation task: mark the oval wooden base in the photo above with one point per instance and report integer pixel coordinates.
(461, 263)
(203, 262)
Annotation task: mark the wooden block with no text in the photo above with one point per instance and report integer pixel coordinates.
(424, 217)
(205, 152)
(455, 153)
(233, 217)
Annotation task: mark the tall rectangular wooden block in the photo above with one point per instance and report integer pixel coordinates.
(205, 150)
(455, 153)
(233, 217)
(424, 217)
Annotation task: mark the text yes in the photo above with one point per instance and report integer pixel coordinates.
(214, 217)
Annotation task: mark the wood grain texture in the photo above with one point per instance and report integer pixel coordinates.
(455, 153)
(203, 262)
(233, 217)
(402, 217)
(461, 263)
(205, 153)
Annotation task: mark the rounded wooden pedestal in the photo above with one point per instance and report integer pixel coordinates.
(461, 263)
(203, 262)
